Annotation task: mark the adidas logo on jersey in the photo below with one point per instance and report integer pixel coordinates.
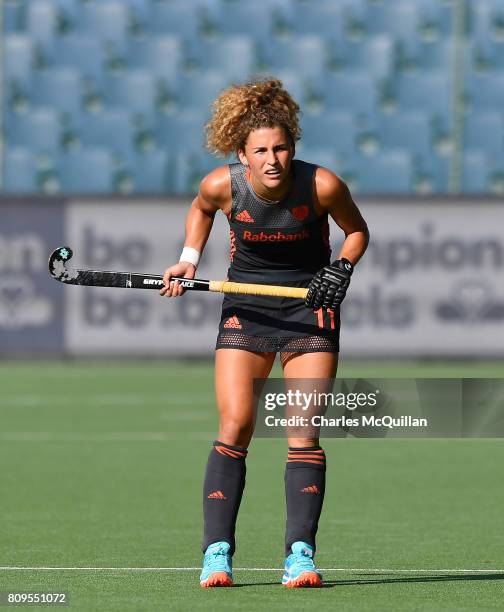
(233, 323)
(245, 217)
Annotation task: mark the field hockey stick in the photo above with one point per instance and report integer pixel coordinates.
(134, 280)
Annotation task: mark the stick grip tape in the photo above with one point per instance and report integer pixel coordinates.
(252, 289)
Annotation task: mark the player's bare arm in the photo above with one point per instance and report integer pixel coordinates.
(214, 194)
(329, 286)
(333, 196)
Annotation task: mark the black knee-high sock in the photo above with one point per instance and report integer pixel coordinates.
(222, 493)
(304, 494)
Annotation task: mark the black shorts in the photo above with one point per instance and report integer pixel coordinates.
(264, 324)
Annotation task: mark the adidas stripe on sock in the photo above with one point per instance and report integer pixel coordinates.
(304, 494)
(222, 493)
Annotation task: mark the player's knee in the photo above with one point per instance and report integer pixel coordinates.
(236, 432)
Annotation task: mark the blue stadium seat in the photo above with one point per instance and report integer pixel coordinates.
(397, 19)
(140, 9)
(70, 9)
(486, 54)
(411, 131)
(12, 17)
(159, 54)
(485, 131)
(319, 19)
(39, 130)
(233, 55)
(351, 91)
(191, 168)
(425, 56)
(105, 20)
(307, 55)
(111, 129)
(435, 19)
(197, 91)
(41, 21)
(387, 172)
(59, 88)
(176, 17)
(475, 178)
(321, 156)
(182, 132)
(434, 170)
(20, 174)
(134, 90)
(247, 18)
(334, 131)
(87, 171)
(484, 17)
(82, 53)
(374, 54)
(486, 91)
(152, 172)
(18, 58)
(426, 91)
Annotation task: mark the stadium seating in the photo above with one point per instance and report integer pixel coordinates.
(58, 88)
(181, 132)
(351, 90)
(105, 21)
(408, 131)
(86, 170)
(11, 17)
(20, 175)
(427, 91)
(485, 131)
(41, 21)
(387, 172)
(374, 55)
(475, 172)
(334, 131)
(18, 58)
(110, 129)
(83, 54)
(129, 82)
(486, 91)
(134, 90)
(234, 55)
(161, 55)
(397, 19)
(152, 172)
(38, 130)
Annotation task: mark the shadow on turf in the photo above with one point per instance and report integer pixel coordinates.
(402, 579)
(329, 584)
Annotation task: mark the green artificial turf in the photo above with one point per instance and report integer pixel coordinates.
(101, 467)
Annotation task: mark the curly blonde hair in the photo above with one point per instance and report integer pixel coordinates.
(239, 109)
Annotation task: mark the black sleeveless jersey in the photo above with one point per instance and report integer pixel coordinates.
(274, 242)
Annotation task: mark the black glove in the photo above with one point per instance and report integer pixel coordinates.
(328, 287)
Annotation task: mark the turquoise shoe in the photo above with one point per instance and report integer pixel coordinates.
(300, 571)
(217, 566)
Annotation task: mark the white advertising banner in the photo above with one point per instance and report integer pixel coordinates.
(430, 284)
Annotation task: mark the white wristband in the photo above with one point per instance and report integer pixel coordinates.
(190, 255)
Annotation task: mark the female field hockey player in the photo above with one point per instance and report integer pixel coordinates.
(278, 209)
